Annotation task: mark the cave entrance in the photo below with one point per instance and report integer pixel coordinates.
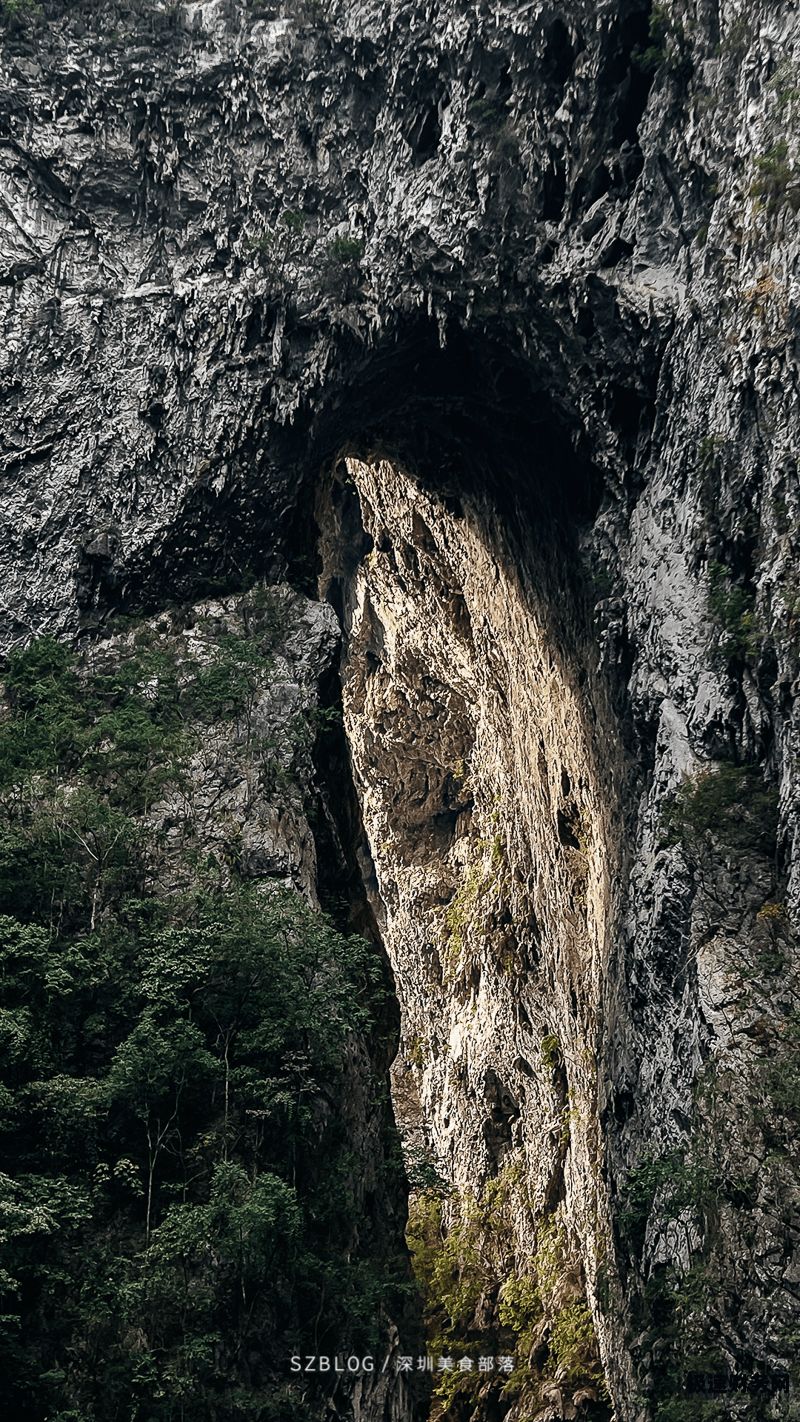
(474, 724)
(454, 529)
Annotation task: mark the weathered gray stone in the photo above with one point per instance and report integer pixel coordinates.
(577, 274)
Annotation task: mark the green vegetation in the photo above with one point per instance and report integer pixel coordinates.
(123, 721)
(17, 12)
(179, 1195)
(341, 267)
(601, 581)
(782, 1072)
(344, 251)
(692, 1201)
(726, 804)
(696, 1408)
(488, 111)
(453, 1272)
(263, 243)
(84, 752)
(655, 53)
(477, 882)
(693, 1196)
(294, 220)
(282, 244)
(460, 910)
(785, 83)
(740, 1154)
(416, 1052)
(775, 176)
(551, 1052)
(671, 1182)
(690, 1372)
(573, 1344)
(708, 451)
(476, 1304)
(675, 1313)
(734, 609)
(737, 37)
(421, 1171)
(666, 37)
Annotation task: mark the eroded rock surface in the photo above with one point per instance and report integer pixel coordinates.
(490, 803)
(595, 1012)
(548, 238)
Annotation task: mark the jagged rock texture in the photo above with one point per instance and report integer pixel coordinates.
(521, 247)
(488, 793)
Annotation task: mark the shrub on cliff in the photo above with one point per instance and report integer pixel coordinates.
(341, 267)
(733, 608)
(726, 803)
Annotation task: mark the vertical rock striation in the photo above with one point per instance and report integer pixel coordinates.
(534, 269)
(489, 794)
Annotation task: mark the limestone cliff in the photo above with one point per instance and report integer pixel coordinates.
(507, 294)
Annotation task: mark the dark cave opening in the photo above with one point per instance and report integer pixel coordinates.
(460, 408)
(562, 52)
(630, 79)
(424, 133)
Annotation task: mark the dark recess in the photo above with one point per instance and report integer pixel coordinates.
(470, 416)
(554, 189)
(335, 819)
(623, 91)
(561, 53)
(424, 131)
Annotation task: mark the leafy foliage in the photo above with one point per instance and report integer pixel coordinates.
(783, 1072)
(16, 12)
(551, 1051)
(345, 250)
(730, 803)
(341, 267)
(573, 1343)
(488, 110)
(658, 31)
(691, 1377)
(775, 181)
(666, 39)
(179, 1189)
(477, 1304)
(670, 1183)
(681, 1315)
(734, 609)
(120, 726)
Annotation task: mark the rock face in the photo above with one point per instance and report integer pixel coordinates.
(540, 259)
(489, 790)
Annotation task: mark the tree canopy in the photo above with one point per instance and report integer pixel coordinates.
(180, 1182)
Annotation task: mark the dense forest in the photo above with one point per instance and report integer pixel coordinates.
(178, 1189)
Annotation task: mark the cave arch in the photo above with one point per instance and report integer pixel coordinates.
(460, 403)
(462, 466)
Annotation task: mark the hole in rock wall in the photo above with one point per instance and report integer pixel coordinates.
(483, 777)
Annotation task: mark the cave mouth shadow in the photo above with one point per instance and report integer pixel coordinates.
(467, 411)
(471, 421)
(468, 416)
